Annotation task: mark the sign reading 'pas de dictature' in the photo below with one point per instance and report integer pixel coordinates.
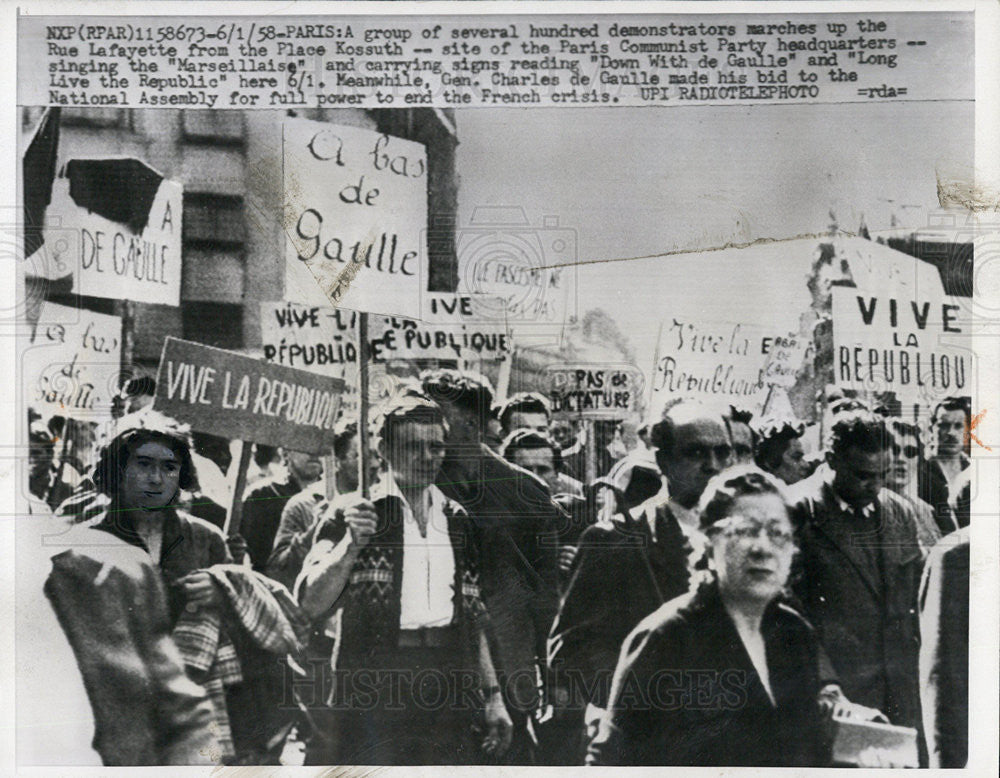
(238, 397)
(355, 213)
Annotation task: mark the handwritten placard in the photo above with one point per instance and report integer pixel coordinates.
(320, 339)
(355, 213)
(120, 225)
(73, 365)
(906, 344)
(593, 391)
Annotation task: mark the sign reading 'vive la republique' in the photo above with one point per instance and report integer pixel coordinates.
(910, 346)
(238, 397)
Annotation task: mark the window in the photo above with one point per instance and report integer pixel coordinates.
(97, 117)
(211, 126)
(213, 323)
(213, 220)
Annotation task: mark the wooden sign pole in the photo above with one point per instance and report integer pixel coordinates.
(589, 426)
(126, 310)
(235, 516)
(364, 358)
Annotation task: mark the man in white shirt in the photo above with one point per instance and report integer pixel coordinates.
(412, 665)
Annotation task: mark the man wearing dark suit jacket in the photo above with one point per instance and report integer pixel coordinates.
(859, 568)
(514, 525)
(628, 567)
(944, 650)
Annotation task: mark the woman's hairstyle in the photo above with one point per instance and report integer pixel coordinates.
(134, 430)
(717, 503)
(725, 489)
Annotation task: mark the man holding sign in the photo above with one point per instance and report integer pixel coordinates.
(412, 661)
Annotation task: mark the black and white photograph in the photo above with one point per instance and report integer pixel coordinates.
(541, 390)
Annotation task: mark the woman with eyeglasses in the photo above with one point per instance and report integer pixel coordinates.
(730, 673)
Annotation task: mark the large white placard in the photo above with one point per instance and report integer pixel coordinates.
(137, 258)
(355, 213)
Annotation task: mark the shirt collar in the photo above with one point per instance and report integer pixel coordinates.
(686, 517)
(387, 487)
(867, 511)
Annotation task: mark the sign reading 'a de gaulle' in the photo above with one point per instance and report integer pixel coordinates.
(908, 345)
(237, 397)
(120, 222)
(590, 391)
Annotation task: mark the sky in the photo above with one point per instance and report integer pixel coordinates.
(640, 182)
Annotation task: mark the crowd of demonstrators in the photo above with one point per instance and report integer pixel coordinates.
(482, 605)
(265, 501)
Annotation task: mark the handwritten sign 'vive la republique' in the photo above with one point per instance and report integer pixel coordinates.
(238, 397)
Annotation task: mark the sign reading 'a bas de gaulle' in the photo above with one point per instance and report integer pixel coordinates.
(909, 346)
(593, 391)
(73, 364)
(355, 213)
(237, 397)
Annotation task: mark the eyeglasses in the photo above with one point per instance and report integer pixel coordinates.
(745, 529)
(908, 451)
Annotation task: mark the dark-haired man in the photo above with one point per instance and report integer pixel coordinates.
(941, 482)
(531, 411)
(859, 568)
(294, 536)
(264, 502)
(515, 523)
(628, 567)
(537, 454)
(524, 410)
(412, 661)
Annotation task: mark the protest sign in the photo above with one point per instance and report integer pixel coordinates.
(907, 345)
(724, 363)
(118, 222)
(320, 339)
(716, 362)
(531, 270)
(74, 363)
(237, 397)
(783, 358)
(587, 391)
(355, 213)
(454, 328)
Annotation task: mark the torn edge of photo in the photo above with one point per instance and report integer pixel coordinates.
(500, 385)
